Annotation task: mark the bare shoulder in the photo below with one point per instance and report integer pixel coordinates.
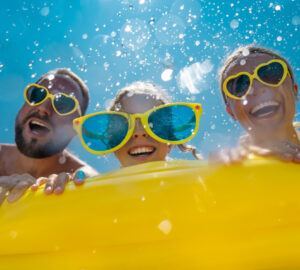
(75, 163)
(8, 156)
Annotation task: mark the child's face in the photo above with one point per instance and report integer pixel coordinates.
(265, 108)
(141, 147)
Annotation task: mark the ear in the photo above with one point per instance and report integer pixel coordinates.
(230, 112)
(296, 91)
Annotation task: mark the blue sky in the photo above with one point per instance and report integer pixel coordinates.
(179, 45)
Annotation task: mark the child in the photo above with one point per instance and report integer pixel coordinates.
(259, 91)
(139, 127)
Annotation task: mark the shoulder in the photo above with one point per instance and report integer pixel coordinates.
(8, 155)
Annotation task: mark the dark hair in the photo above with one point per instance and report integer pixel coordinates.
(243, 52)
(155, 91)
(83, 87)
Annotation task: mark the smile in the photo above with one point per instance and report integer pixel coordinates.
(265, 109)
(141, 151)
(38, 128)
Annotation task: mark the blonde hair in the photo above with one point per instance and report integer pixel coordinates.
(155, 91)
(244, 51)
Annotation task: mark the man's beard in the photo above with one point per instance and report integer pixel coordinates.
(32, 148)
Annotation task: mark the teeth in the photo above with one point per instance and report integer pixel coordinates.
(140, 150)
(38, 123)
(262, 105)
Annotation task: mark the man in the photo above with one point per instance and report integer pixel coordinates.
(43, 129)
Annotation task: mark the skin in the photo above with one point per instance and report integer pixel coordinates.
(273, 127)
(140, 103)
(55, 170)
(271, 133)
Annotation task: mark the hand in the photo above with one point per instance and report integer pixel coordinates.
(14, 186)
(228, 156)
(283, 150)
(56, 183)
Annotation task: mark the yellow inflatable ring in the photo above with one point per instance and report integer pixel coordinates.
(161, 215)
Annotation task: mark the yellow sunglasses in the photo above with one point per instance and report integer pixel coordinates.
(62, 103)
(106, 132)
(272, 73)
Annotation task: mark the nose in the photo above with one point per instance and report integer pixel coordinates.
(256, 88)
(45, 108)
(139, 131)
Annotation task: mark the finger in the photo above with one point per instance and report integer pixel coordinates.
(260, 151)
(60, 183)
(3, 194)
(286, 157)
(50, 183)
(79, 178)
(40, 181)
(297, 158)
(18, 191)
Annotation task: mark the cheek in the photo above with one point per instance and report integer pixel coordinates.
(163, 150)
(120, 154)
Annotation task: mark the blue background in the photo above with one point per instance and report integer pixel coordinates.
(179, 45)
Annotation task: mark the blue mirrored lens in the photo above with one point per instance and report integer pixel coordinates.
(104, 131)
(173, 123)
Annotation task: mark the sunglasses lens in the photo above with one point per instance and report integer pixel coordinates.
(238, 86)
(104, 131)
(271, 73)
(63, 104)
(35, 94)
(173, 123)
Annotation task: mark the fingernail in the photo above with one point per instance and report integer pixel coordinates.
(58, 190)
(79, 176)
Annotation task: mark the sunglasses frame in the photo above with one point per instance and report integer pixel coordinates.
(51, 96)
(255, 76)
(78, 122)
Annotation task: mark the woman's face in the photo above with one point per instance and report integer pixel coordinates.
(141, 147)
(265, 108)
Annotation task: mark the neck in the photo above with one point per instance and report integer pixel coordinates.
(38, 167)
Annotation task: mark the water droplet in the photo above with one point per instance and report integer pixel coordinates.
(277, 7)
(243, 62)
(279, 38)
(62, 159)
(245, 52)
(45, 11)
(167, 74)
(296, 20)
(234, 24)
(165, 226)
(84, 36)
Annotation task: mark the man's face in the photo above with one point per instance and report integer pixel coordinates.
(39, 131)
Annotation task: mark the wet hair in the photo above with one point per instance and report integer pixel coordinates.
(140, 87)
(250, 49)
(83, 87)
(155, 91)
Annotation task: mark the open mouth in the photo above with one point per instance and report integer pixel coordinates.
(38, 128)
(266, 109)
(141, 151)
